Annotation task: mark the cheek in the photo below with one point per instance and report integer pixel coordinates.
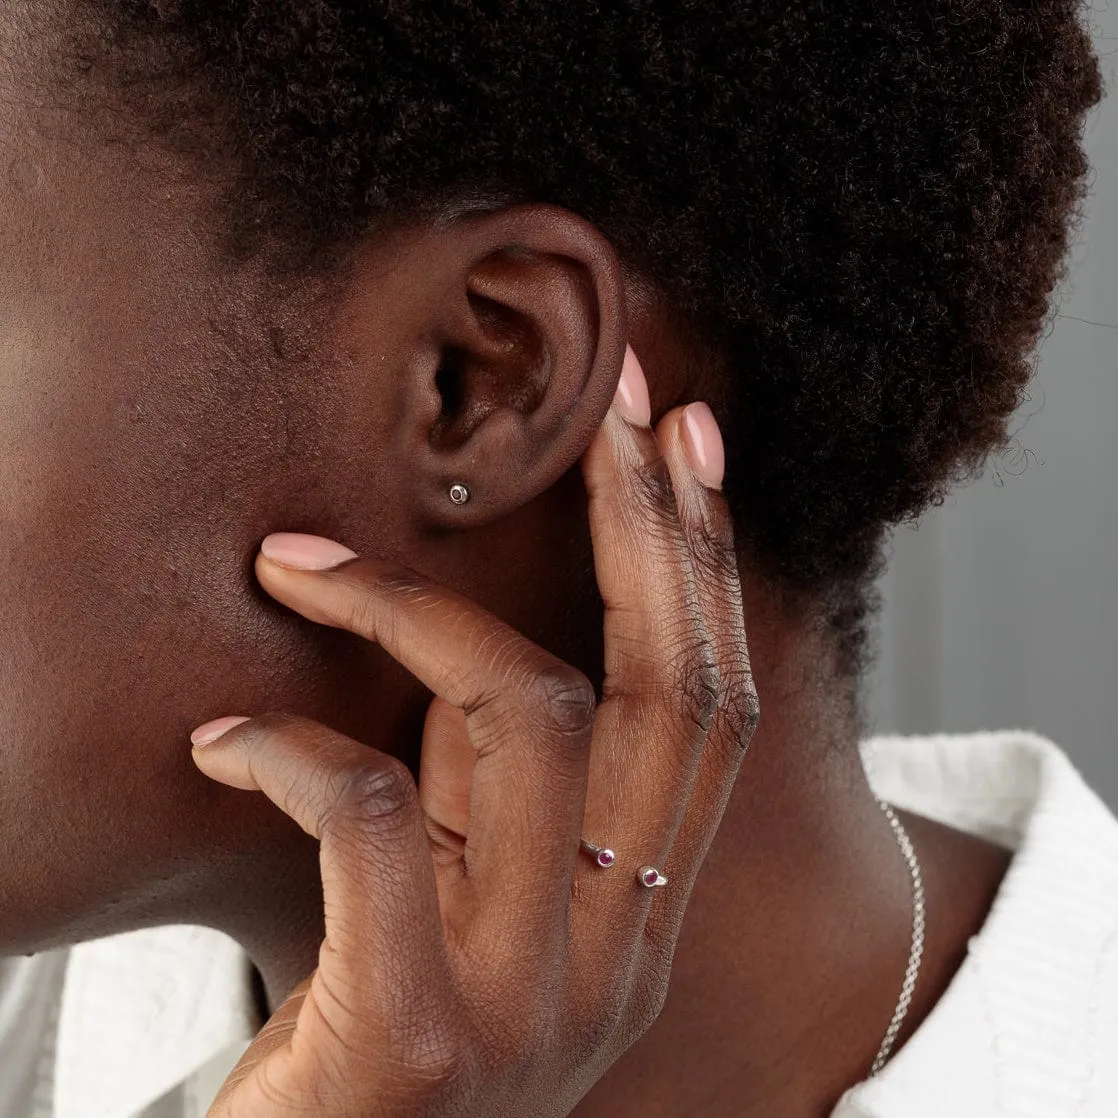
(129, 517)
(138, 471)
(127, 617)
(95, 668)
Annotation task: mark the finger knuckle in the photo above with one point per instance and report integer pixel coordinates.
(376, 595)
(562, 700)
(740, 706)
(379, 796)
(401, 581)
(699, 684)
(276, 732)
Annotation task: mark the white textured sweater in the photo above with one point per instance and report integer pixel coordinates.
(1028, 1027)
(148, 1024)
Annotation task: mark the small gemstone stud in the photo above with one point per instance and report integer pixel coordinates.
(603, 856)
(459, 494)
(650, 877)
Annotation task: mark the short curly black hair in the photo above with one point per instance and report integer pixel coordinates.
(863, 207)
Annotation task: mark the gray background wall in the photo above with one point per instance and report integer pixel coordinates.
(1002, 607)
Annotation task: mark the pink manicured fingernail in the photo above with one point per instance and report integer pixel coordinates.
(632, 392)
(304, 553)
(703, 443)
(209, 732)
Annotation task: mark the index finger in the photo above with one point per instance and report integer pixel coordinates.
(528, 714)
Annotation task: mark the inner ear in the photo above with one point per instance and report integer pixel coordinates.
(503, 364)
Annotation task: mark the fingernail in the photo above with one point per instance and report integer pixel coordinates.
(703, 443)
(632, 392)
(209, 732)
(304, 553)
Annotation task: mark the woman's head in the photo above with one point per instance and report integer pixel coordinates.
(860, 211)
(298, 266)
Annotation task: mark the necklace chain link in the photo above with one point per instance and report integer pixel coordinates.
(916, 952)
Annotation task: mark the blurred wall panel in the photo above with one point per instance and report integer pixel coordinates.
(1001, 609)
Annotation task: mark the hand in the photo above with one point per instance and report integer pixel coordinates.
(475, 962)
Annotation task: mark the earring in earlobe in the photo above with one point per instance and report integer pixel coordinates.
(459, 494)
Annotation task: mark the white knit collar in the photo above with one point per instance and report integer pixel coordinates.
(1016, 1032)
(142, 1012)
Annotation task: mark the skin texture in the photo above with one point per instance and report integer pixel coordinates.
(161, 413)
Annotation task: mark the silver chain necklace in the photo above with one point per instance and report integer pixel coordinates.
(916, 952)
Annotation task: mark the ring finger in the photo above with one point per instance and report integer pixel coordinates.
(661, 683)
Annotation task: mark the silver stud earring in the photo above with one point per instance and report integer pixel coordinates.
(459, 494)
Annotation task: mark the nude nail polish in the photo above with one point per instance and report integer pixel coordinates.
(632, 392)
(209, 732)
(702, 442)
(304, 553)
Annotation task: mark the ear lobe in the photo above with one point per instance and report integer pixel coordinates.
(528, 367)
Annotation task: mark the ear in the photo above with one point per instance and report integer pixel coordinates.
(513, 360)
